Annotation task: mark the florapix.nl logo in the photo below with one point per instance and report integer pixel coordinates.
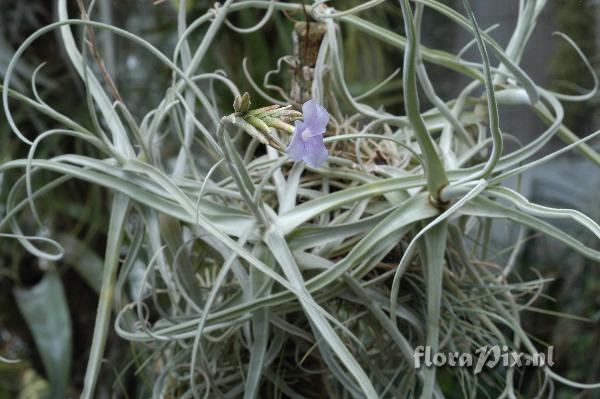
(485, 356)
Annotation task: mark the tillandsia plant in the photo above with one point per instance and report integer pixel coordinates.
(268, 252)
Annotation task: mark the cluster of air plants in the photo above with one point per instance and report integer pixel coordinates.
(237, 269)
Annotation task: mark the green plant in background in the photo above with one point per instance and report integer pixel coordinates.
(579, 19)
(235, 271)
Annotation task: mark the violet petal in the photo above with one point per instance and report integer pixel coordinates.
(315, 117)
(315, 151)
(297, 149)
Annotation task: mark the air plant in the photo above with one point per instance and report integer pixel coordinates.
(261, 278)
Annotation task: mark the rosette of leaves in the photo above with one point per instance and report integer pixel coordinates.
(234, 271)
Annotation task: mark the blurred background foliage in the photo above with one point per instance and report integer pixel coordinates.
(573, 289)
(577, 18)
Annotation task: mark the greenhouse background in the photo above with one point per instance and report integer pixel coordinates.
(51, 340)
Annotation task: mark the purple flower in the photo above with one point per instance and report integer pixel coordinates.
(307, 142)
